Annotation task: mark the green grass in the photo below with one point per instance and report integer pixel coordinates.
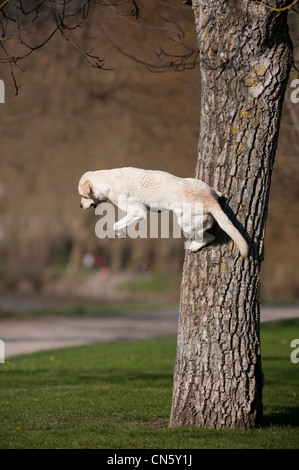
(157, 283)
(118, 395)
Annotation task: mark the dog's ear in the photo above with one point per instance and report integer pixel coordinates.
(86, 188)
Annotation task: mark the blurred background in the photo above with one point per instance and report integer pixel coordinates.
(69, 118)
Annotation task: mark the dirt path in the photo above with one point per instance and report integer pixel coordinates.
(45, 333)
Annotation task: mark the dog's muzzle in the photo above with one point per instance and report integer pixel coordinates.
(91, 205)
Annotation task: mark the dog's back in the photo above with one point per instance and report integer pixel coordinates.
(155, 186)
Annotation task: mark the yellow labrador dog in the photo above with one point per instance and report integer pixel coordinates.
(135, 190)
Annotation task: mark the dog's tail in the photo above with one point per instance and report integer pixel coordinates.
(228, 227)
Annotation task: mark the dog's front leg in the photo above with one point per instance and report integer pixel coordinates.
(135, 213)
(119, 228)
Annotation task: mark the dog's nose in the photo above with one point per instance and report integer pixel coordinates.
(81, 205)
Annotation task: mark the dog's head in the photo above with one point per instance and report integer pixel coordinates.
(90, 197)
(86, 191)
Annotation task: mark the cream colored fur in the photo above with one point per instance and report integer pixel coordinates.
(135, 190)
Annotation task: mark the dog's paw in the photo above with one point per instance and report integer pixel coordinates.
(121, 233)
(193, 246)
(197, 245)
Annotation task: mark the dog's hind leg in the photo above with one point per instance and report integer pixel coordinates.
(202, 237)
(200, 242)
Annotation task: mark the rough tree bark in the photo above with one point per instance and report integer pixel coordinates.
(246, 56)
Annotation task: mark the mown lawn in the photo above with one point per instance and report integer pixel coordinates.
(118, 396)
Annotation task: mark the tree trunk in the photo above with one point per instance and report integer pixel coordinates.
(245, 63)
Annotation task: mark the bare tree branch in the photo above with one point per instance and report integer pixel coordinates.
(20, 19)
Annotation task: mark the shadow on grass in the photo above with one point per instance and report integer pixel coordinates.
(288, 416)
(114, 376)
